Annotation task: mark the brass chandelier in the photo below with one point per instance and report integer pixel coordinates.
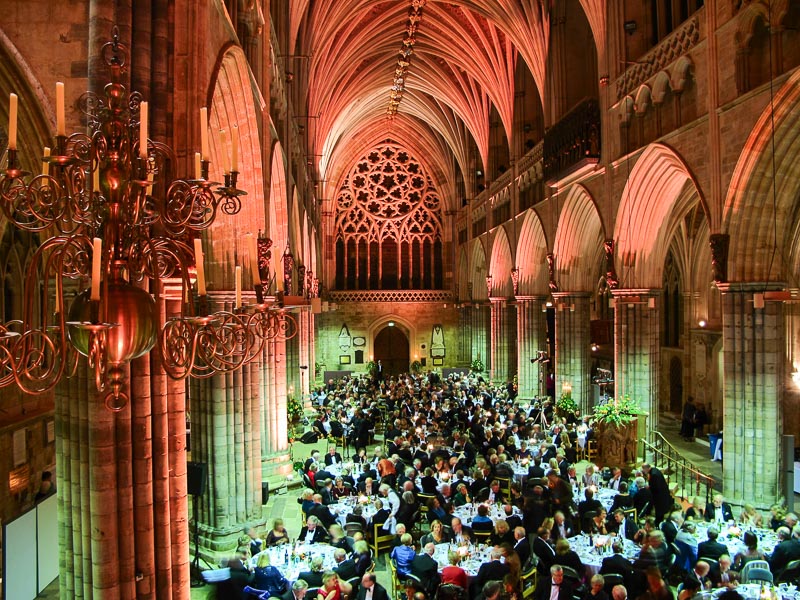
(95, 200)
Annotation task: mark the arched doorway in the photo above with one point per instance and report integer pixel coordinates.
(391, 347)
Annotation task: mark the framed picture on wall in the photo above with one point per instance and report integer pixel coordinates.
(344, 359)
(438, 362)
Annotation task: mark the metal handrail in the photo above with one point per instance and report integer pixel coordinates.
(672, 463)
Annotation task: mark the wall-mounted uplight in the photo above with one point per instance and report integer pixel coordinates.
(702, 323)
(595, 347)
(391, 323)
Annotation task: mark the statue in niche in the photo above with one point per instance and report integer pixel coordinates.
(551, 269)
(611, 271)
(264, 255)
(719, 256)
(437, 342)
(288, 269)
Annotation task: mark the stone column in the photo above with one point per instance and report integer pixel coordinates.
(531, 338)
(637, 352)
(572, 346)
(754, 355)
(502, 343)
(481, 332)
(275, 443)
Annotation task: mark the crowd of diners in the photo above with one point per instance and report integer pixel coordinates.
(453, 441)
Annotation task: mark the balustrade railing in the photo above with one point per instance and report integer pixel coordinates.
(573, 142)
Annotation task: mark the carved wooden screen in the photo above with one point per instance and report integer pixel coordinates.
(388, 224)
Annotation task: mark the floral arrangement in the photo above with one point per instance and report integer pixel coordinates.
(477, 365)
(294, 409)
(566, 403)
(415, 366)
(617, 411)
(371, 366)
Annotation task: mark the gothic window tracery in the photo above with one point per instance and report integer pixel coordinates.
(388, 224)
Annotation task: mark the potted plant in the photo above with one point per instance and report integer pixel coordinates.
(616, 425)
(415, 367)
(294, 410)
(371, 366)
(477, 365)
(566, 404)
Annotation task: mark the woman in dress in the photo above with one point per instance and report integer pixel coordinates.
(333, 587)
(340, 490)
(436, 534)
(567, 557)
(278, 535)
(267, 577)
(598, 523)
(696, 510)
(751, 553)
(750, 516)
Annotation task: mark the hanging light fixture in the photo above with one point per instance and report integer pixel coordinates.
(95, 199)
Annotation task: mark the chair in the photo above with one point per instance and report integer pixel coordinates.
(586, 521)
(381, 540)
(753, 564)
(571, 574)
(505, 486)
(527, 583)
(791, 574)
(758, 574)
(260, 594)
(630, 513)
(354, 582)
(592, 452)
(351, 528)
(481, 537)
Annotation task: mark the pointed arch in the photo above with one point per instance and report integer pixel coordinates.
(278, 205)
(659, 192)
(463, 275)
(532, 256)
(478, 271)
(500, 265)
(578, 246)
(749, 217)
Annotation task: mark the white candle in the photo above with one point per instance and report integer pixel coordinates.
(150, 178)
(238, 279)
(252, 248)
(61, 123)
(12, 122)
(198, 166)
(204, 132)
(223, 150)
(235, 146)
(96, 179)
(279, 276)
(46, 163)
(201, 276)
(143, 117)
(97, 259)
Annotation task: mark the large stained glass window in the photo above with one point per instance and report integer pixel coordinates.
(388, 224)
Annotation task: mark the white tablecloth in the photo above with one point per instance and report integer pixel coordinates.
(471, 563)
(467, 512)
(292, 561)
(593, 550)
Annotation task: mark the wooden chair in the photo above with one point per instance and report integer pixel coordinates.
(381, 540)
(505, 486)
(592, 452)
(481, 537)
(630, 513)
(527, 583)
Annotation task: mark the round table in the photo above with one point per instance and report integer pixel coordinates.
(593, 549)
(467, 512)
(471, 562)
(346, 505)
(291, 561)
(731, 536)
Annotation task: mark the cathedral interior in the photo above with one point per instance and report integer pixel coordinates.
(314, 186)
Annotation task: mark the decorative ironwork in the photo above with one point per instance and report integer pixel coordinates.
(408, 296)
(573, 142)
(288, 270)
(117, 216)
(301, 280)
(611, 270)
(719, 243)
(264, 255)
(404, 58)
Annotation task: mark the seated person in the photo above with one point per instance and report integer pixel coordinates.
(312, 533)
(436, 535)
(567, 557)
(278, 534)
(267, 577)
(452, 573)
(596, 592)
(313, 577)
(357, 517)
(482, 522)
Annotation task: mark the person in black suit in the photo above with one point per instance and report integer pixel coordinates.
(296, 591)
(333, 457)
(617, 564)
(623, 499)
(492, 590)
(426, 569)
(494, 570)
(460, 532)
(711, 548)
(313, 459)
(545, 586)
(624, 527)
(312, 533)
(367, 486)
(327, 494)
(381, 513)
(313, 577)
(322, 512)
(370, 589)
(719, 511)
(643, 499)
(562, 527)
(521, 546)
(345, 567)
(543, 550)
(662, 499)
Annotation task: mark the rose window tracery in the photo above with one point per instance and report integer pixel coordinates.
(388, 224)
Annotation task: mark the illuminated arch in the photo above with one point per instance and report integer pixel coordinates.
(748, 216)
(531, 256)
(654, 201)
(578, 246)
(278, 205)
(500, 265)
(463, 274)
(478, 271)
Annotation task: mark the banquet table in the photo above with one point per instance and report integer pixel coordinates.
(467, 512)
(731, 536)
(593, 549)
(346, 505)
(475, 556)
(291, 561)
(752, 591)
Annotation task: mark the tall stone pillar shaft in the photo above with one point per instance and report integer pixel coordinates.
(481, 334)
(572, 346)
(503, 342)
(754, 355)
(637, 352)
(531, 338)
(275, 422)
